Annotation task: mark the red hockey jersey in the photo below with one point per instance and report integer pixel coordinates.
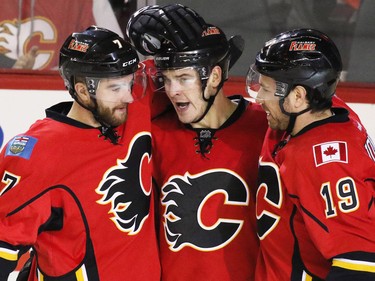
(206, 180)
(315, 201)
(84, 204)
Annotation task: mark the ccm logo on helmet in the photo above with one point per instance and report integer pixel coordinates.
(130, 62)
(302, 46)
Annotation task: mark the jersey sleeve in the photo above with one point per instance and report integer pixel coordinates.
(21, 213)
(333, 186)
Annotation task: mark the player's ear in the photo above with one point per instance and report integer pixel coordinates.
(299, 97)
(213, 81)
(82, 92)
(216, 76)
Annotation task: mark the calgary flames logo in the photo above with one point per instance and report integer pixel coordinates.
(13, 34)
(123, 187)
(186, 199)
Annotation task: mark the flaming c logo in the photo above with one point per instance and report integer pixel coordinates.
(124, 188)
(185, 198)
(11, 33)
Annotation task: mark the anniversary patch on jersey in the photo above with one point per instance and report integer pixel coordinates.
(328, 152)
(21, 146)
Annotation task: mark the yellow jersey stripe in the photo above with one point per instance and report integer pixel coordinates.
(81, 274)
(306, 277)
(354, 265)
(8, 254)
(40, 276)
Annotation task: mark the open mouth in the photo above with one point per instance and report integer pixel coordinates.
(182, 105)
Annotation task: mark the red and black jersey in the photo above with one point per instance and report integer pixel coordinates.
(83, 204)
(315, 201)
(207, 182)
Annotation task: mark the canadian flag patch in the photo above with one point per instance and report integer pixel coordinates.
(327, 152)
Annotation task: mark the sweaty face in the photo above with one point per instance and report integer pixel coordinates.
(277, 120)
(113, 96)
(184, 88)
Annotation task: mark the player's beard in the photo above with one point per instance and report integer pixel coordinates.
(112, 116)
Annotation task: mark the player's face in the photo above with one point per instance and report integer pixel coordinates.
(277, 120)
(113, 96)
(184, 88)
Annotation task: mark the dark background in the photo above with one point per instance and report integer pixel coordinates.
(350, 23)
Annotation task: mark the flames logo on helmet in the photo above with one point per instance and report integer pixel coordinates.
(78, 46)
(211, 30)
(184, 199)
(302, 46)
(128, 195)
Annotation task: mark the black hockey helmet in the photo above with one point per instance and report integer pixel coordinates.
(209, 49)
(305, 57)
(178, 37)
(153, 29)
(96, 53)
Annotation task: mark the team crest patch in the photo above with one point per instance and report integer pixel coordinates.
(21, 146)
(328, 152)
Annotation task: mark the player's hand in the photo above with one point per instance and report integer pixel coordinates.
(155, 29)
(27, 61)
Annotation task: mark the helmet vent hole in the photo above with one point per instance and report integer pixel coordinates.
(312, 55)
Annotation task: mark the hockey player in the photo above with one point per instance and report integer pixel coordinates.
(315, 198)
(205, 147)
(76, 187)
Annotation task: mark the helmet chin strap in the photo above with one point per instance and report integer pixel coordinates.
(293, 115)
(210, 100)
